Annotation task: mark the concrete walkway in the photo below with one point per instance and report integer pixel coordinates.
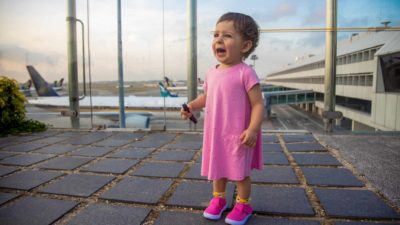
(102, 177)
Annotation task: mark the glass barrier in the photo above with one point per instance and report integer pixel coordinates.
(155, 70)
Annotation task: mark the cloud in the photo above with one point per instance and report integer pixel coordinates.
(283, 10)
(20, 54)
(316, 16)
(311, 39)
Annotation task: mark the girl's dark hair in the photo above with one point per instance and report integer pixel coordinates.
(246, 26)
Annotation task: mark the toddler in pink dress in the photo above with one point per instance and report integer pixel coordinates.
(233, 113)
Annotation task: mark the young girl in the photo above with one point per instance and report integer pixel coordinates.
(232, 117)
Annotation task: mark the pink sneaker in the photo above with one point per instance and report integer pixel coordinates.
(215, 209)
(239, 215)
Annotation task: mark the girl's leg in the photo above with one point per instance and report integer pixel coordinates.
(242, 210)
(219, 186)
(244, 188)
(218, 203)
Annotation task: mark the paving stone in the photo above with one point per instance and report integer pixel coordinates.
(272, 148)
(110, 166)
(282, 175)
(8, 141)
(105, 214)
(25, 160)
(88, 139)
(136, 153)
(298, 138)
(354, 203)
(194, 172)
(258, 220)
(190, 138)
(275, 158)
(64, 163)
(142, 190)
(47, 133)
(185, 218)
(184, 145)
(4, 155)
(27, 180)
(148, 143)
(77, 185)
(27, 138)
(316, 159)
(197, 194)
(110, 142)
(35, 211)
(4, 170)
(56, 149)
(92, 151)
(174, 155)
(159, 169)
(303, 147)
(5, 197)
(25, 147)
(331, 177)
(52, 140)
(155, 140)
(72, 134)
(128, 136)
(360, 223)
(280, 200)
(270, 138)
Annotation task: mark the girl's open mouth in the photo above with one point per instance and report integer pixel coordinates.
(220, 52)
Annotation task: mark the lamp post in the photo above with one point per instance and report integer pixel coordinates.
(254, 58)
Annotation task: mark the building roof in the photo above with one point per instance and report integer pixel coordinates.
(389, 40)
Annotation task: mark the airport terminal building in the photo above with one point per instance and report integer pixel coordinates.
(367, 81)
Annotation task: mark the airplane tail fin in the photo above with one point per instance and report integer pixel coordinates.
(41, 86)
(58, 84)
(27, 85)
(164, 92)
(61, 82)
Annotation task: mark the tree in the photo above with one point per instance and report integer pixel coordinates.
(12, 110)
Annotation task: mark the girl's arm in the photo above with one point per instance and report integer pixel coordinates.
(249, 136)
(198, 103)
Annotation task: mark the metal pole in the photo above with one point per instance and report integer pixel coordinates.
(330, 63)
(72, 64)
(192, 49)
(120, 72)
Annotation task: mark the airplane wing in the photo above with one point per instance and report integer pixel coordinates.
(183, 88)
(132, 119)
(131, 102)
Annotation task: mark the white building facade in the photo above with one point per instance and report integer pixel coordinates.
(367, 80)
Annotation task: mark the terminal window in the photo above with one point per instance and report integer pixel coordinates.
(390, 65)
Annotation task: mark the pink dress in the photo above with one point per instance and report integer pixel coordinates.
(226, 115)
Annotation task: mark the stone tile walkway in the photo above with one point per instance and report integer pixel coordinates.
(100, 177)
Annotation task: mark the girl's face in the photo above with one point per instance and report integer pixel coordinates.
(228, 45)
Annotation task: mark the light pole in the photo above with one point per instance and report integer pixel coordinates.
(254, 58)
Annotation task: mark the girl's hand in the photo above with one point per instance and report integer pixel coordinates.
(249, 138)
(186, 115)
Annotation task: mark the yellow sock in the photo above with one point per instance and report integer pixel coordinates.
(219, 194)
(242, 200)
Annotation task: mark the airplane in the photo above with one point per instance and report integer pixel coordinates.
(26, 88)
(169, 85)
(42, 87)
(48, 97)
(58, 85)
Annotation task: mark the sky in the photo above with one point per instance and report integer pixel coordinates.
(34, 32)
